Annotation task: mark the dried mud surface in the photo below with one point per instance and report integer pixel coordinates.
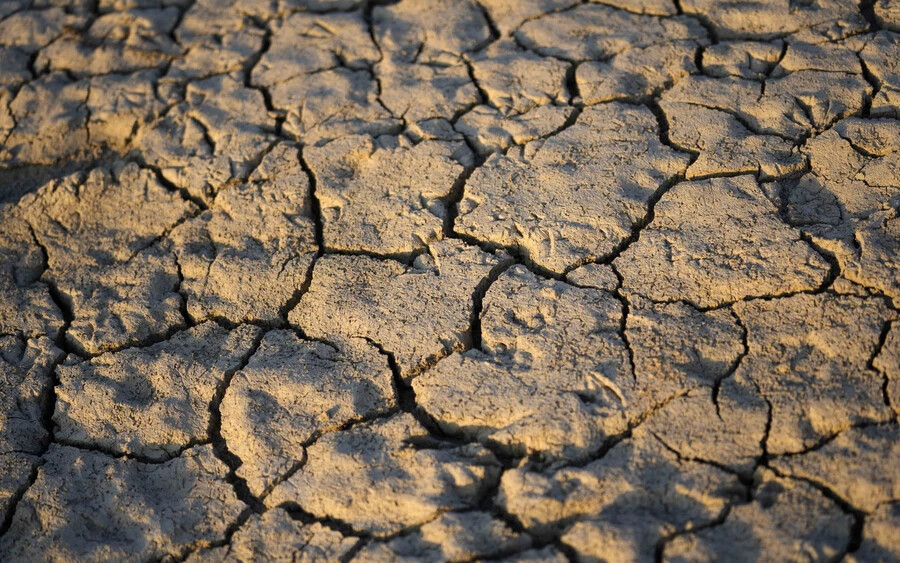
(506, 280)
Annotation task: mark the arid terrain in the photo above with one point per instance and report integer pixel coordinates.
(449, 280)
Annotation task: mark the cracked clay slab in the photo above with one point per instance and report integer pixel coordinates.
(623, 503)
(102, 218)
(47, 121)
(362, 297)
(293, 390)
(245, 259)
(808, 356)
(87, 505)
(304, 43)
(429, 30)
(787, 520)
(26, 306)
(792, 106)
(156, 399)
(387, 475)
(516, 81)
(385, 195)
(553, 379)
(698, 247)
(274, 534)
(517, 200)
(453, 536)
(332, 103)
(638, 72)
(26, 378)
(101, 49)
(726, 146)
(487, 130)
(594, 31)
(676, 348)
(859, 465)
(824, 19)
(215, 136)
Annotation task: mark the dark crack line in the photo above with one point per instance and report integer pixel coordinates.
(874, 83)
(16, 498)
(732, 369)
(824, 288)
(404, 393)
(225, 541)
(484, 98)
(519, 254)
(831, 438)
(742, 478)
(251, 63)
(612, 441)
(138, 343)
(623, 325)
(475, 334)
(49, 398)
(164, 235)
(664, 187)
(575, 4)
(183, 192)
(297, 513)
(870, 364)
(189, 321)
(295, 299)
(493, 33)
(636, 228)
(834, 266)
(857, 516)
(318, 229)
(214, 430)
(755, 130)
(405, 258)
(353, 551)
(120, 455)
(492, 26)
(572, 84)
(370, 29)
(457, 192)
(867, 9)
(763, 459)
(406, 399)
(660, 548)
(314, 202)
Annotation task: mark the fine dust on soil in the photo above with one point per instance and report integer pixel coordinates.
(431, 280)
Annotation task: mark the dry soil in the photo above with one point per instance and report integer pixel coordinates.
(431, 280)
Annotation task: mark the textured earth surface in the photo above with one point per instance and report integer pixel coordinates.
(434, 280)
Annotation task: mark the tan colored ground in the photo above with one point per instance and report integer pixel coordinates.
(430, 280)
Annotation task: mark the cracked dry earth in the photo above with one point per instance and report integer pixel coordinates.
(520, 280)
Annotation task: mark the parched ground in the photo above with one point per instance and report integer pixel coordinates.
(521, 280)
